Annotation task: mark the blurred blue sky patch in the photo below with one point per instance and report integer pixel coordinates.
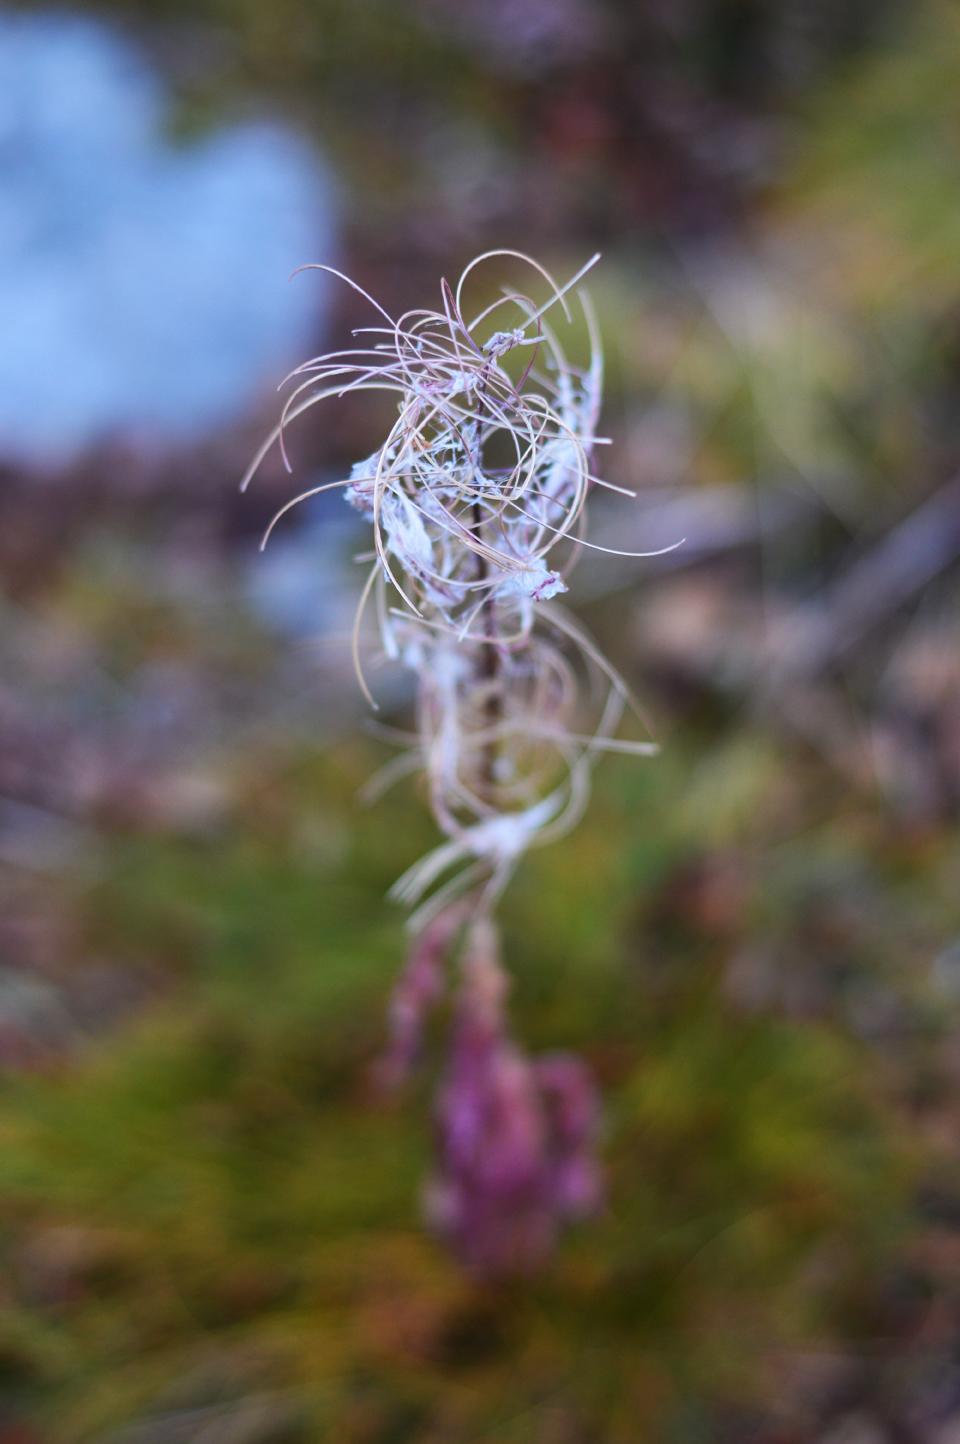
(143, 284)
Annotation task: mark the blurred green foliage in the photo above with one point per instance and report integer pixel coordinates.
(213, 1212)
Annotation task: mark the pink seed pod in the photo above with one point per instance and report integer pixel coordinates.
(515, 1138)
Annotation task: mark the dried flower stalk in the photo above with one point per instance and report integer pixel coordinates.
(476, 499)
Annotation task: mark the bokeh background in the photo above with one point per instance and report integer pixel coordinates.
(209, 1225)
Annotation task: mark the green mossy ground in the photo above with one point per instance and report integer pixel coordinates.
(211, 1209)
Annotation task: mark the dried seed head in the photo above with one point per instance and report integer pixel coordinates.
(476, 498)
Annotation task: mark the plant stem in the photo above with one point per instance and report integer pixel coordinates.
(488, 667)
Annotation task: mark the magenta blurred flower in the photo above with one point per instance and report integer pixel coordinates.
(515, 1136)
(419, 987)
